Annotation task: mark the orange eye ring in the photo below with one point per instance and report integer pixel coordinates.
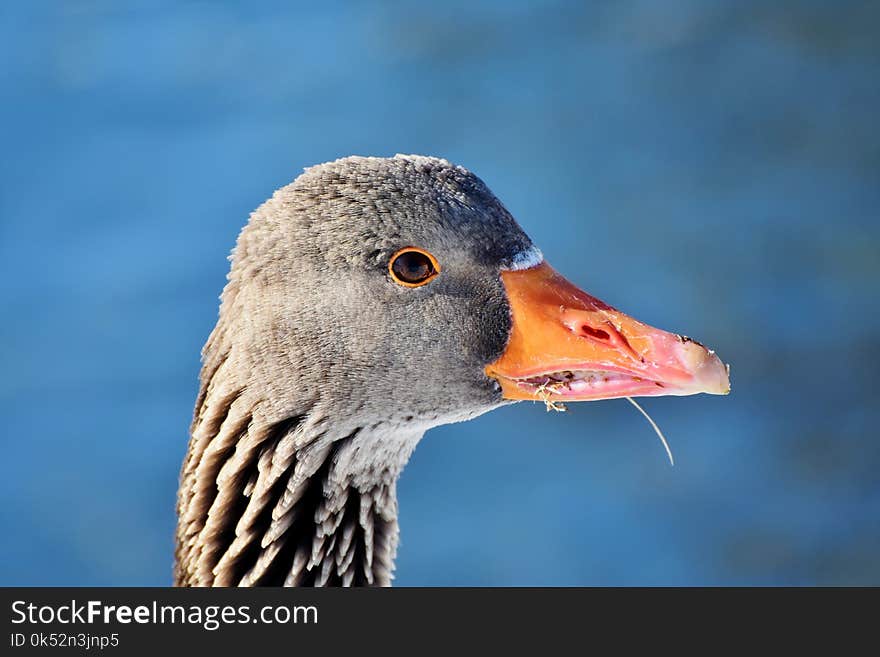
(413, 267)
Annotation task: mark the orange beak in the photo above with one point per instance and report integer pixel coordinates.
(566, 345)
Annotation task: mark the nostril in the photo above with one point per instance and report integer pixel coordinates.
(599, 334)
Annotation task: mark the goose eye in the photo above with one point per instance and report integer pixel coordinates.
(413, 267)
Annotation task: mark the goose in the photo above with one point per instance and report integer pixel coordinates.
(368, 301)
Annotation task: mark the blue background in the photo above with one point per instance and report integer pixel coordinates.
(713, 168)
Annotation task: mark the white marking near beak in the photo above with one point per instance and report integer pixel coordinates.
(531, 257)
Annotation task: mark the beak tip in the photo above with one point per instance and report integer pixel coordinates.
(712, 375)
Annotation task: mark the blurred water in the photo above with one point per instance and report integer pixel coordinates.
(711, 167)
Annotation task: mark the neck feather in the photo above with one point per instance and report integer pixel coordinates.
(300, 500)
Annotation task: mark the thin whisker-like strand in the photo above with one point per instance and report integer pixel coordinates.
(656, 429)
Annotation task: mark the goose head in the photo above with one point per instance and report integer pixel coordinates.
(368, 301)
